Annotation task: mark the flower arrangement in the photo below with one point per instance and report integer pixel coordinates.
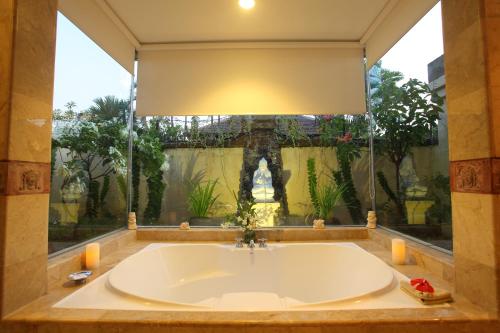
(246, 217)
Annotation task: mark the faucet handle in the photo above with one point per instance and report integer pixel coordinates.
(239, 242)
(262, 242)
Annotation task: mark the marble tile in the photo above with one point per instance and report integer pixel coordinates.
(23, 282)
(6, 38)
(44, 318)
(468, 126)
(462, 14)
(475, 244)
(26, 223)
(473, 227)
(30, 129)
(32, 81)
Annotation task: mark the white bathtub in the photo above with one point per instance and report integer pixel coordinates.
(281, 276)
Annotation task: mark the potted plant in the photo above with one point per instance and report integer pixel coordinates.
(323, 197)
(200, 200)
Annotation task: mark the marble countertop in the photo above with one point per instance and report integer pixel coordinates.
(39, 315)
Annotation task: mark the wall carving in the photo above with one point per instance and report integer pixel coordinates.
(475, 176)
(3, 177)
(17, 177)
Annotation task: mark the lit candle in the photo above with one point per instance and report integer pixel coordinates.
(398, 251)
(92, 256)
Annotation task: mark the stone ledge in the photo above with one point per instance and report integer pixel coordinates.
(272, 234)
(436, 261)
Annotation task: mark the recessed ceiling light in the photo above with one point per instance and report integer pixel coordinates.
(247, 4)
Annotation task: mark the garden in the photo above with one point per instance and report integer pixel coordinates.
(202, 169)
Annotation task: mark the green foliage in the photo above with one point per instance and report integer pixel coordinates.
(245, 218)
(324, 198)
(404, 116)
(333, 127)
(104, 190)
(96, 144)
(136, 180)
(312, 180)
(387, 189)
(202, 198)
(109, 108)
(290, 131)
(151, 160)
(328, 197)
(439, 192)
(156, 187)
(346, 153)
(122, 185)
(93, 201)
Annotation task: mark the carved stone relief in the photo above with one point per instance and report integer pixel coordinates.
(475, 176)
(24, 177)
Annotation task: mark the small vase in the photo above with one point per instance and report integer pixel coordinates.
(248, 235)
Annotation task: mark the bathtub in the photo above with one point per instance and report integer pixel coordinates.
(221, 277)
(281, 276)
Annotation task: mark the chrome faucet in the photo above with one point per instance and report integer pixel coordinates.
(262, 242)
(251, 244)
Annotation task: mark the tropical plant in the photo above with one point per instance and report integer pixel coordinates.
(329, 196)
(346, 133)
(201, 199)
(149, 154)
(289, 130)
(312, 181)
(109, 108)
(97, 150)
(404, 116)
(323, 197)
(439, 192)
(347, 151)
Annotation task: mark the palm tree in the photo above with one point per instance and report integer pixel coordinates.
(109, 108)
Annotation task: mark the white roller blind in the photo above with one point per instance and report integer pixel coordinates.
(251, 81)
(89, 17)
(402, 17)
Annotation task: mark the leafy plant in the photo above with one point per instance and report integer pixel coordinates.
(202, 198)
(347, 151)
(324, 198)
(439, 192)
(328, 197)
(404, 116)
(288, 129)
(312, 180)
(152, 162)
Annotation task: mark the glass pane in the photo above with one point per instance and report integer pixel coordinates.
(89, 141)
(411, 135)
(197, 169)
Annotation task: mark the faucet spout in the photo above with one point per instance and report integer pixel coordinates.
(251, 244)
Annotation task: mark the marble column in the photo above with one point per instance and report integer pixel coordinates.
(471, 30)
(27, 53)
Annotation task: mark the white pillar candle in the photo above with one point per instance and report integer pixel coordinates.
(398, 251)
(92, 256)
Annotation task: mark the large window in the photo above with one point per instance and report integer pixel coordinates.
(295, 168)
(290, 170)
(411, 136)
(89, 141)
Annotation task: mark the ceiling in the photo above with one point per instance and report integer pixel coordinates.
(123, 27)
(223, 20)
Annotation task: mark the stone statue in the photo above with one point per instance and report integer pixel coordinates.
(263, 190)
(410, 180)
